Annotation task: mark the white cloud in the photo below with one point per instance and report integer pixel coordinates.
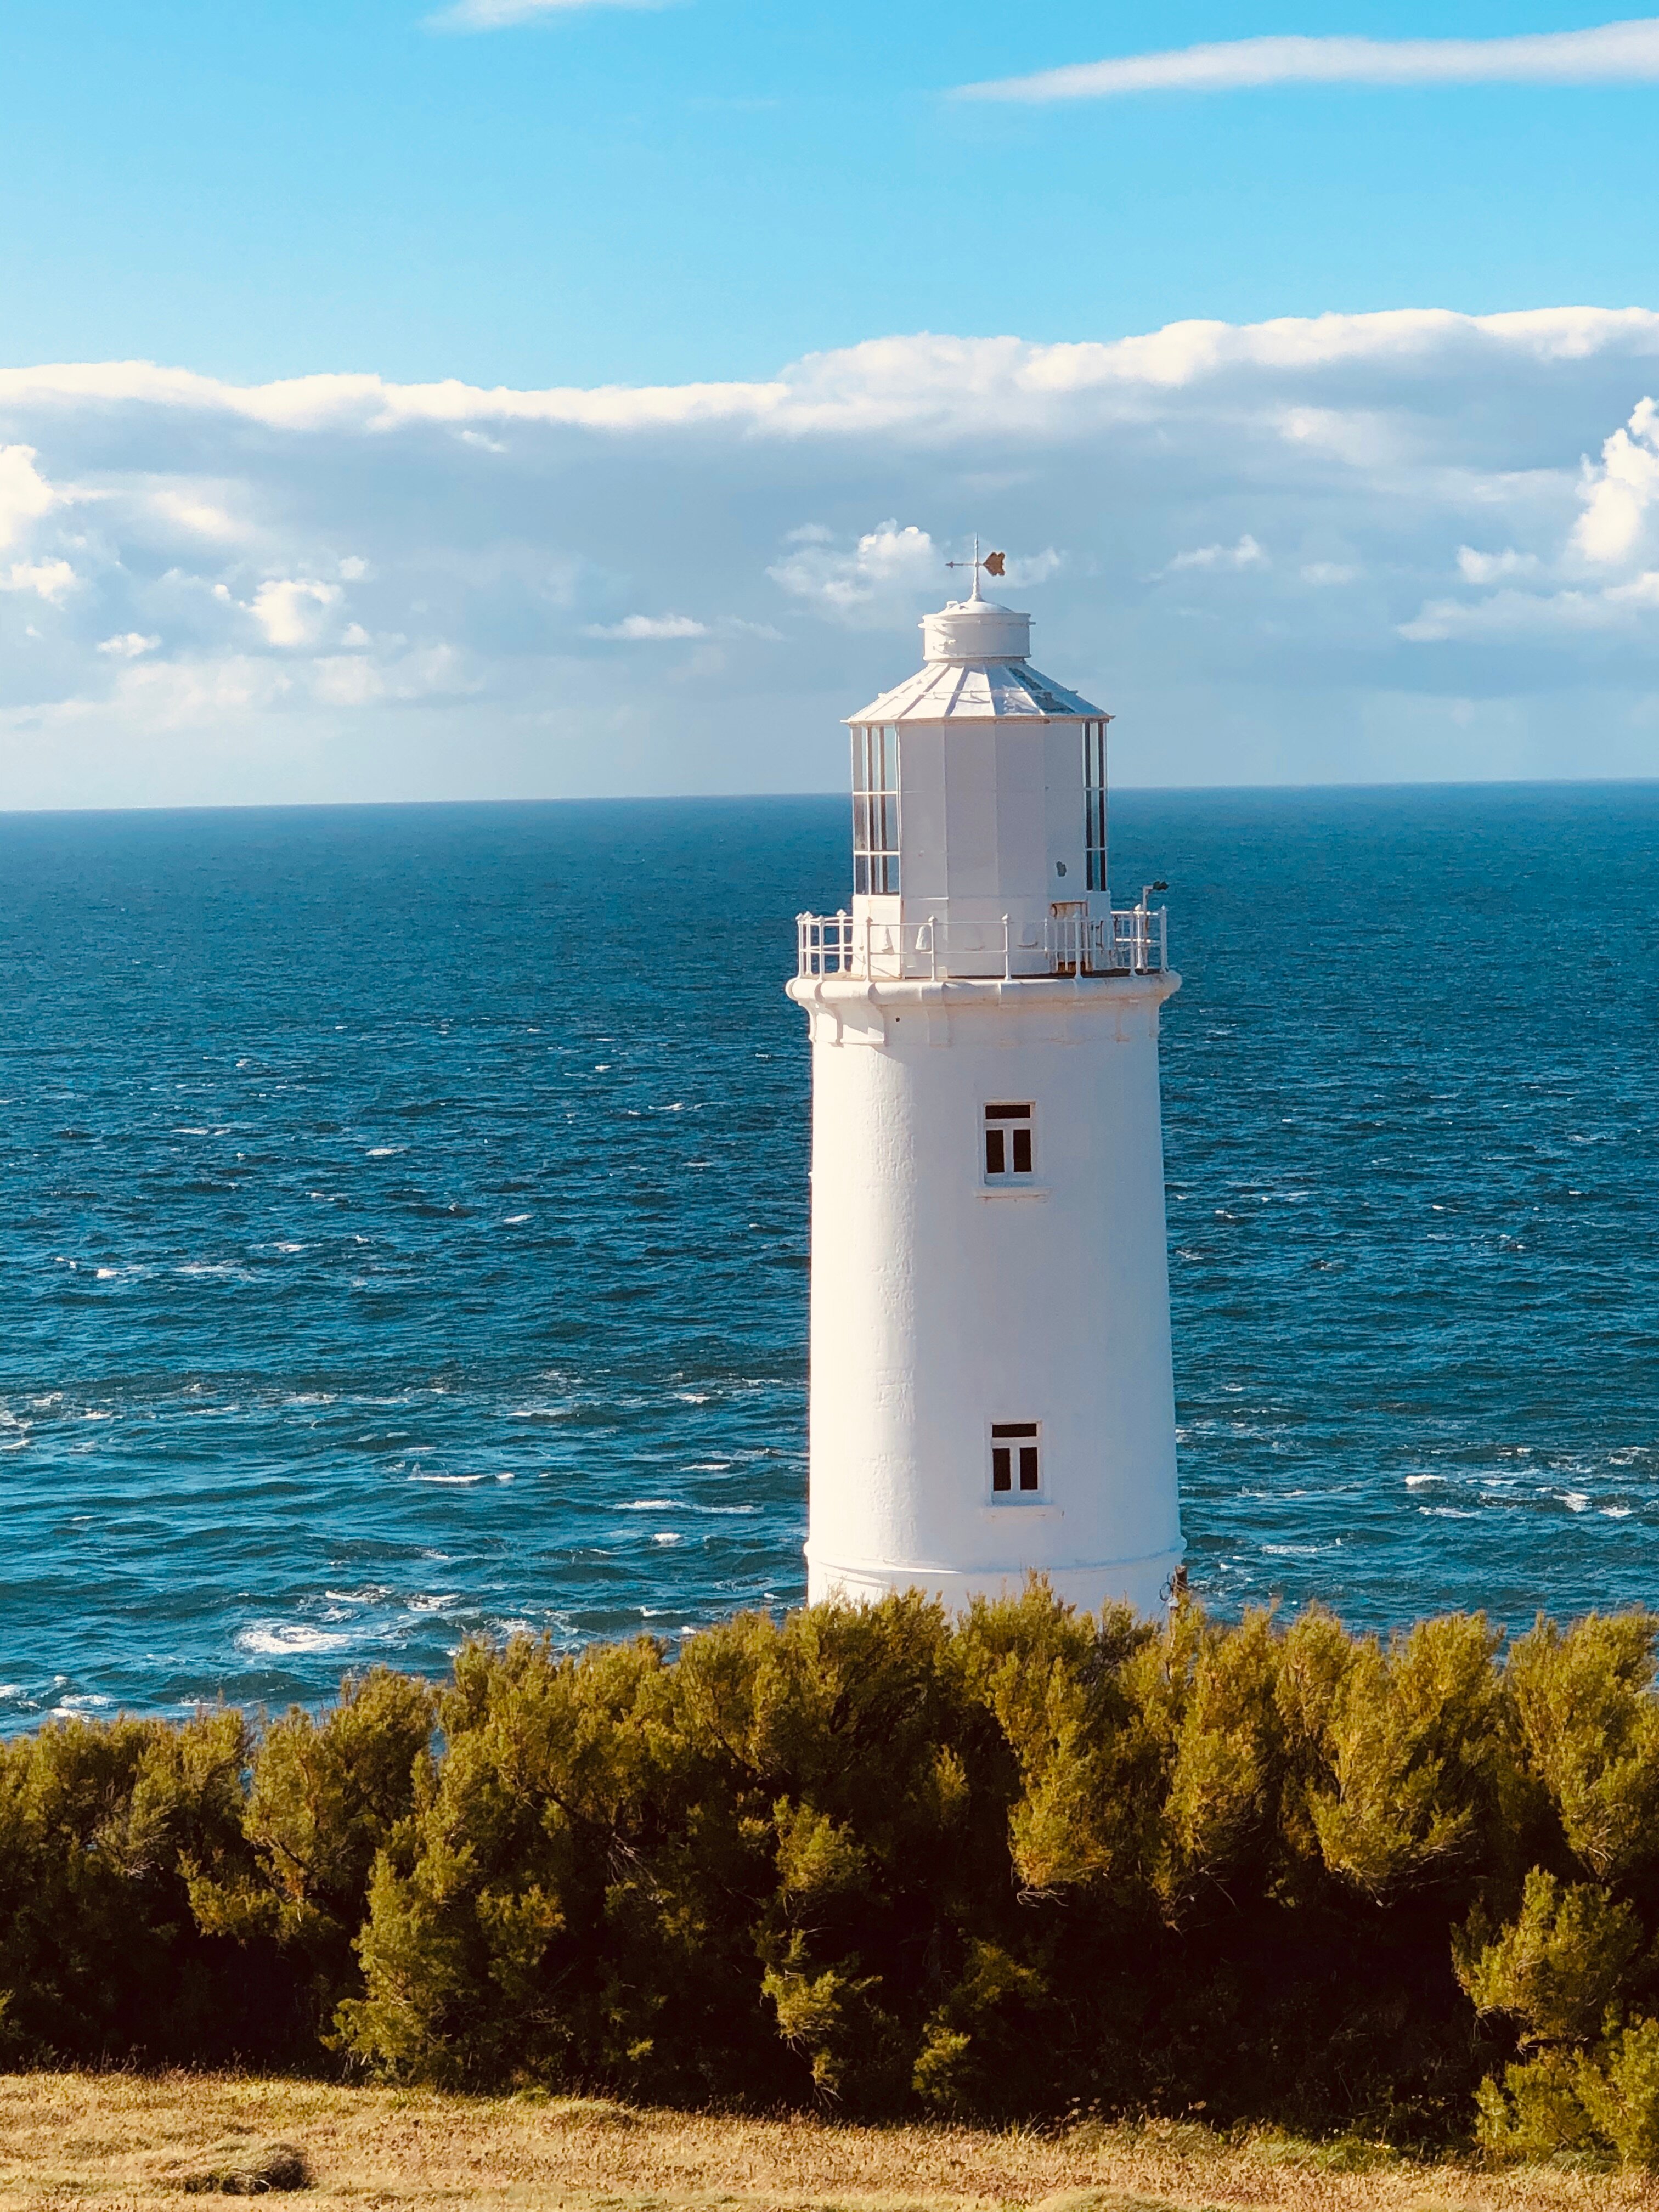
(1533, 617)
(648, 626)
(650, 629)
(1246, 554)
(1613, 53)
(1491, 567)
(477, 639)
(928, 389)
(887, 571)
(438, 672)
(192, 512)
(495, 15)
(49, 579)
(25, 494)
(1029, 572)
(1609, 536)
(1618, 495)
(130, 645)
(161, 696)
(291, 610)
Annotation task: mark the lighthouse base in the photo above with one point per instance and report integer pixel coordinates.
(1141, 1584)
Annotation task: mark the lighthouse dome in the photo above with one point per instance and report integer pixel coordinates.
(974, 629)
(974, 669)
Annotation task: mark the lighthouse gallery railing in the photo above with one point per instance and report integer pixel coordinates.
(1131, 941)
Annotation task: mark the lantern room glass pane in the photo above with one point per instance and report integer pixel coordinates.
(875, 810)
(1094, 805)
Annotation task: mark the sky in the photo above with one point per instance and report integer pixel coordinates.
(496, 399)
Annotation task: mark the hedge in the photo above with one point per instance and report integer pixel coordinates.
(1011, 1864)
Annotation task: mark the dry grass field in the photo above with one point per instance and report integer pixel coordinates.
(96, 2141)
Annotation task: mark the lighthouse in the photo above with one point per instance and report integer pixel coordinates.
(991, 1389)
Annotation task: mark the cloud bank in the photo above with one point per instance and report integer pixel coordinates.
(1613, 53)
(1345, 548)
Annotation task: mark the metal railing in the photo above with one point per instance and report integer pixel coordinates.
(1131, 941)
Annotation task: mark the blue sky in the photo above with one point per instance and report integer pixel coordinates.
(589, 402)
(714, 188)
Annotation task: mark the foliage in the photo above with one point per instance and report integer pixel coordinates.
(1014, 1862)
(1573, 1968)
(1557, 1966)
(325, 1797)
(100, 1955)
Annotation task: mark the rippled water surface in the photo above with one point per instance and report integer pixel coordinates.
(405, 1218)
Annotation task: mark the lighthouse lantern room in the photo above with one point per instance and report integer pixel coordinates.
(991, 1388)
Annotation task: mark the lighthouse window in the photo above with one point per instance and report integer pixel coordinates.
(1007, 1140)
(1014, 1465)
(1094, 805)
(875, 810)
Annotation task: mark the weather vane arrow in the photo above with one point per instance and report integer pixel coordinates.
(993, 564)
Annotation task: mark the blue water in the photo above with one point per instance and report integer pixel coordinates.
(404, 1219)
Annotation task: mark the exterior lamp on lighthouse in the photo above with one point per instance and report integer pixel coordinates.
(991, 1386)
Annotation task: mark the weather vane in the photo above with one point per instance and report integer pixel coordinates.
(992, 565)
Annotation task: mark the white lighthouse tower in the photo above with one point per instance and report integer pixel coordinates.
(991, 1388)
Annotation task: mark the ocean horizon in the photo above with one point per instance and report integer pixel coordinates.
(406, 1217)
(837, 797)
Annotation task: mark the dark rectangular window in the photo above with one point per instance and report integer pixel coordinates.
(1094, 805)
(1008, 1152)
(1014, 1449)
(875, 810)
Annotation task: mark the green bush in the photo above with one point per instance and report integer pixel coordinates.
(1016, 1862)
(324, 1798)
(100, 1955)
(1572, 1968)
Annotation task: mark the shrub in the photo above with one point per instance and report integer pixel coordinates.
(102, 1957)
(325, 1797)
(1573, 1969)
(1558, 1966)
(1585, 1700)
(1016, 1862)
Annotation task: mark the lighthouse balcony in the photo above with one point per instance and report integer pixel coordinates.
(1130, 941)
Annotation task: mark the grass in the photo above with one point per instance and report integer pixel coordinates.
(92, 2140)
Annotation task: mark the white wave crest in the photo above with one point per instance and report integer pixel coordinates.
(280, 1638)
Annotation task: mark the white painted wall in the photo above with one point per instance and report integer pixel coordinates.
(938, 1309)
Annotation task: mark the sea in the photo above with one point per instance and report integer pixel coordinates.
(405, 1230)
